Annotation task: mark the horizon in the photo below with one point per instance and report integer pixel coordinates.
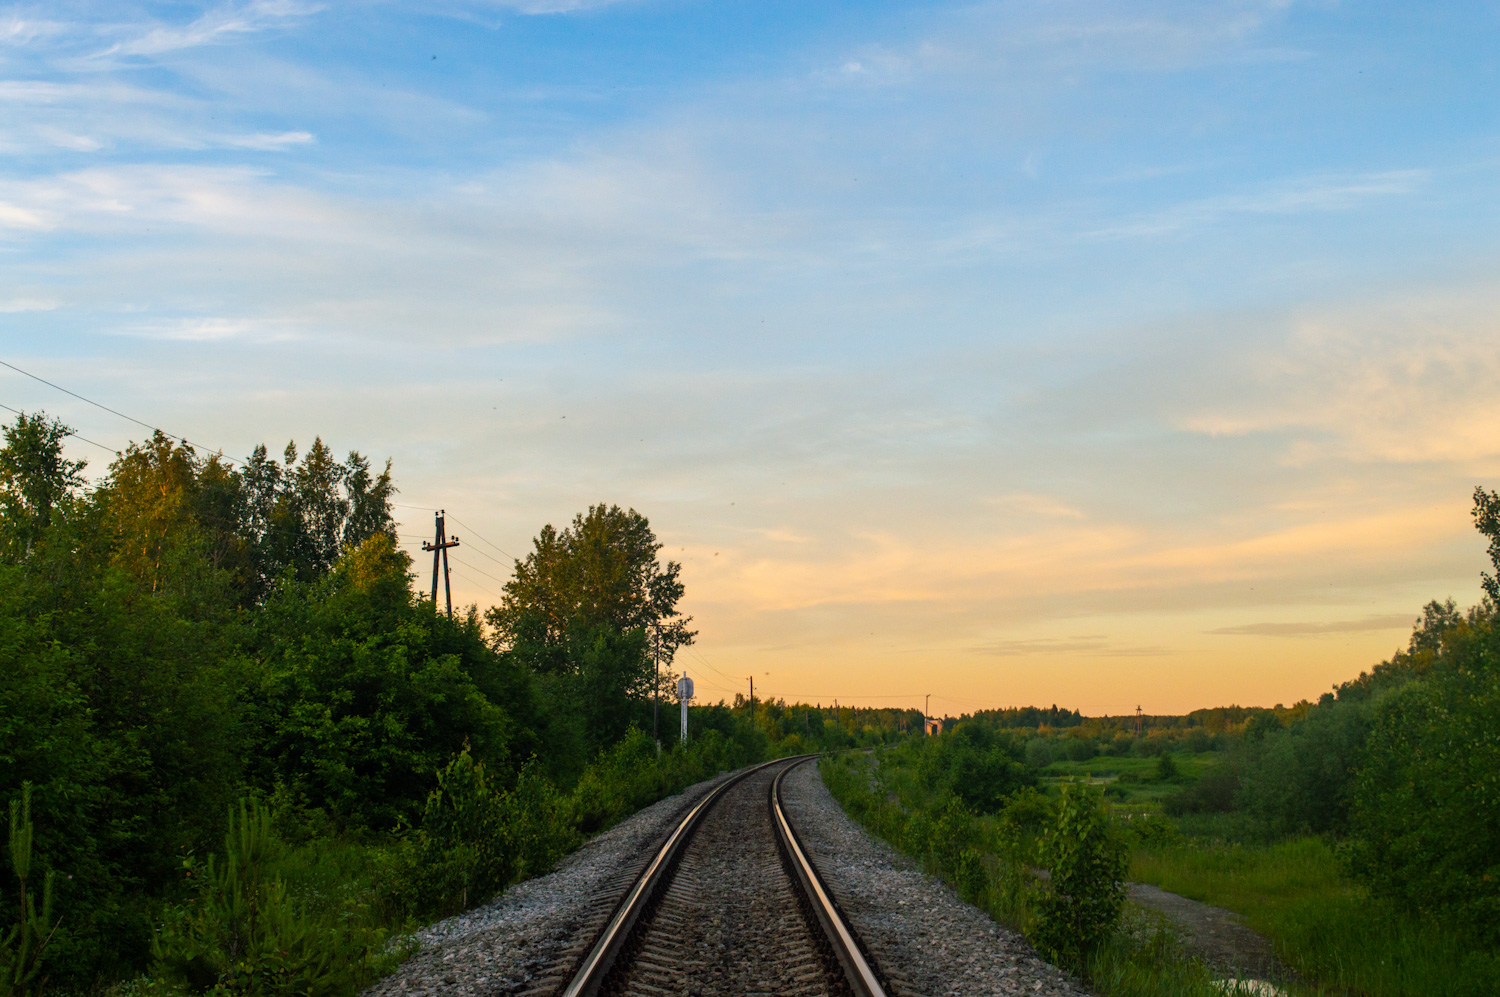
(1011, 352)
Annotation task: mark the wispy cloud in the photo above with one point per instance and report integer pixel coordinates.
(12, 306)
(1086, 645)
(1294, 197)
(216, 26)
(556, 6)
(265, 142)
(1385, 621)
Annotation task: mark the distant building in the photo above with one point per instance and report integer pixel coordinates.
(931, 726)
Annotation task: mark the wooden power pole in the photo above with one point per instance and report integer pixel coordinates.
(439, 547)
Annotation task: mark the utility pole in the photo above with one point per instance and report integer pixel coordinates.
(439, 548)
(656, 686)
(752, 702)
(1138, 721)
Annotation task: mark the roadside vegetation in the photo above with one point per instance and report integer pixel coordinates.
(240, 755)
(1359, 834)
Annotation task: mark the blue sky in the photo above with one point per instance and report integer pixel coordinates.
(1079, 352)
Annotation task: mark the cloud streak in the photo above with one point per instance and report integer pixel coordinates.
(1379, 621)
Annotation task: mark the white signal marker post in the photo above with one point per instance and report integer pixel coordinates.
(684, 693)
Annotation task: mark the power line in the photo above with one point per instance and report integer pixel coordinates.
(473, 582)
(480, 570)
(475, 533)
(482, 553)
(129, 418)
(68, 432)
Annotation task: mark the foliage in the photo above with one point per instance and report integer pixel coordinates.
(601, 571)
(245, 933)
(1077, 908)
(24, 946)
(1487, 522)
(982, 767)
(1426, 820)
(35, 479)
(462, 850)
(363, 691)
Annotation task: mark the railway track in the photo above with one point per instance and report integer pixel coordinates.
(730, 904)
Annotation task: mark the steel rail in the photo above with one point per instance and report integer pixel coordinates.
(600, 959)
(596, 965)
(860, 975)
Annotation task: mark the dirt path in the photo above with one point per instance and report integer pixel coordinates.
(1215, 935)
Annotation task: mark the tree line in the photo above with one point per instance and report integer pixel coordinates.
(193, 646)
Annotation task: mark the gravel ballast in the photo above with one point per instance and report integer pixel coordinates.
(926, 941)
(528, 939)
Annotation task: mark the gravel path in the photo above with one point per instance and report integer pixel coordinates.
(1215, 935)
(925, 940)
(526, 941)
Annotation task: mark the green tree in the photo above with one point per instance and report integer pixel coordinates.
(602, 570)
(1487, 522)
(1426, 805)
(35, 478)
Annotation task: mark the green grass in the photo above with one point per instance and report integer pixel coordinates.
(1132, 781)
(1323, 925)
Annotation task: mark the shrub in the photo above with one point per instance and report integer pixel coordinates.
(1214, 792)
(975, 763)
(1078, 749)
(1301, 778)
(23, 947)
(1078, 906)
(245, 934)
(462, 853)
(1166, 769)
(1198, 741)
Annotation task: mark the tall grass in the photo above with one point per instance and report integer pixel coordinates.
(1322, 924)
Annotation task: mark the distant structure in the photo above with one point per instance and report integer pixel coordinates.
(684, 693)
(931, 726)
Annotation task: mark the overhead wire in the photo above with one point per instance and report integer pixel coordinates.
(481, 539)
(66, 432)
(129, 418)
(482, 572)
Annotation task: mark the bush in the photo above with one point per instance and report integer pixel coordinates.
(1078, 906)
(1198, 741)
(462, 854)
(245, 933)
(1215, 791)
(975, 763)
(24, 946)
(1148, 747)
(1078, 749)
(1301, 778)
